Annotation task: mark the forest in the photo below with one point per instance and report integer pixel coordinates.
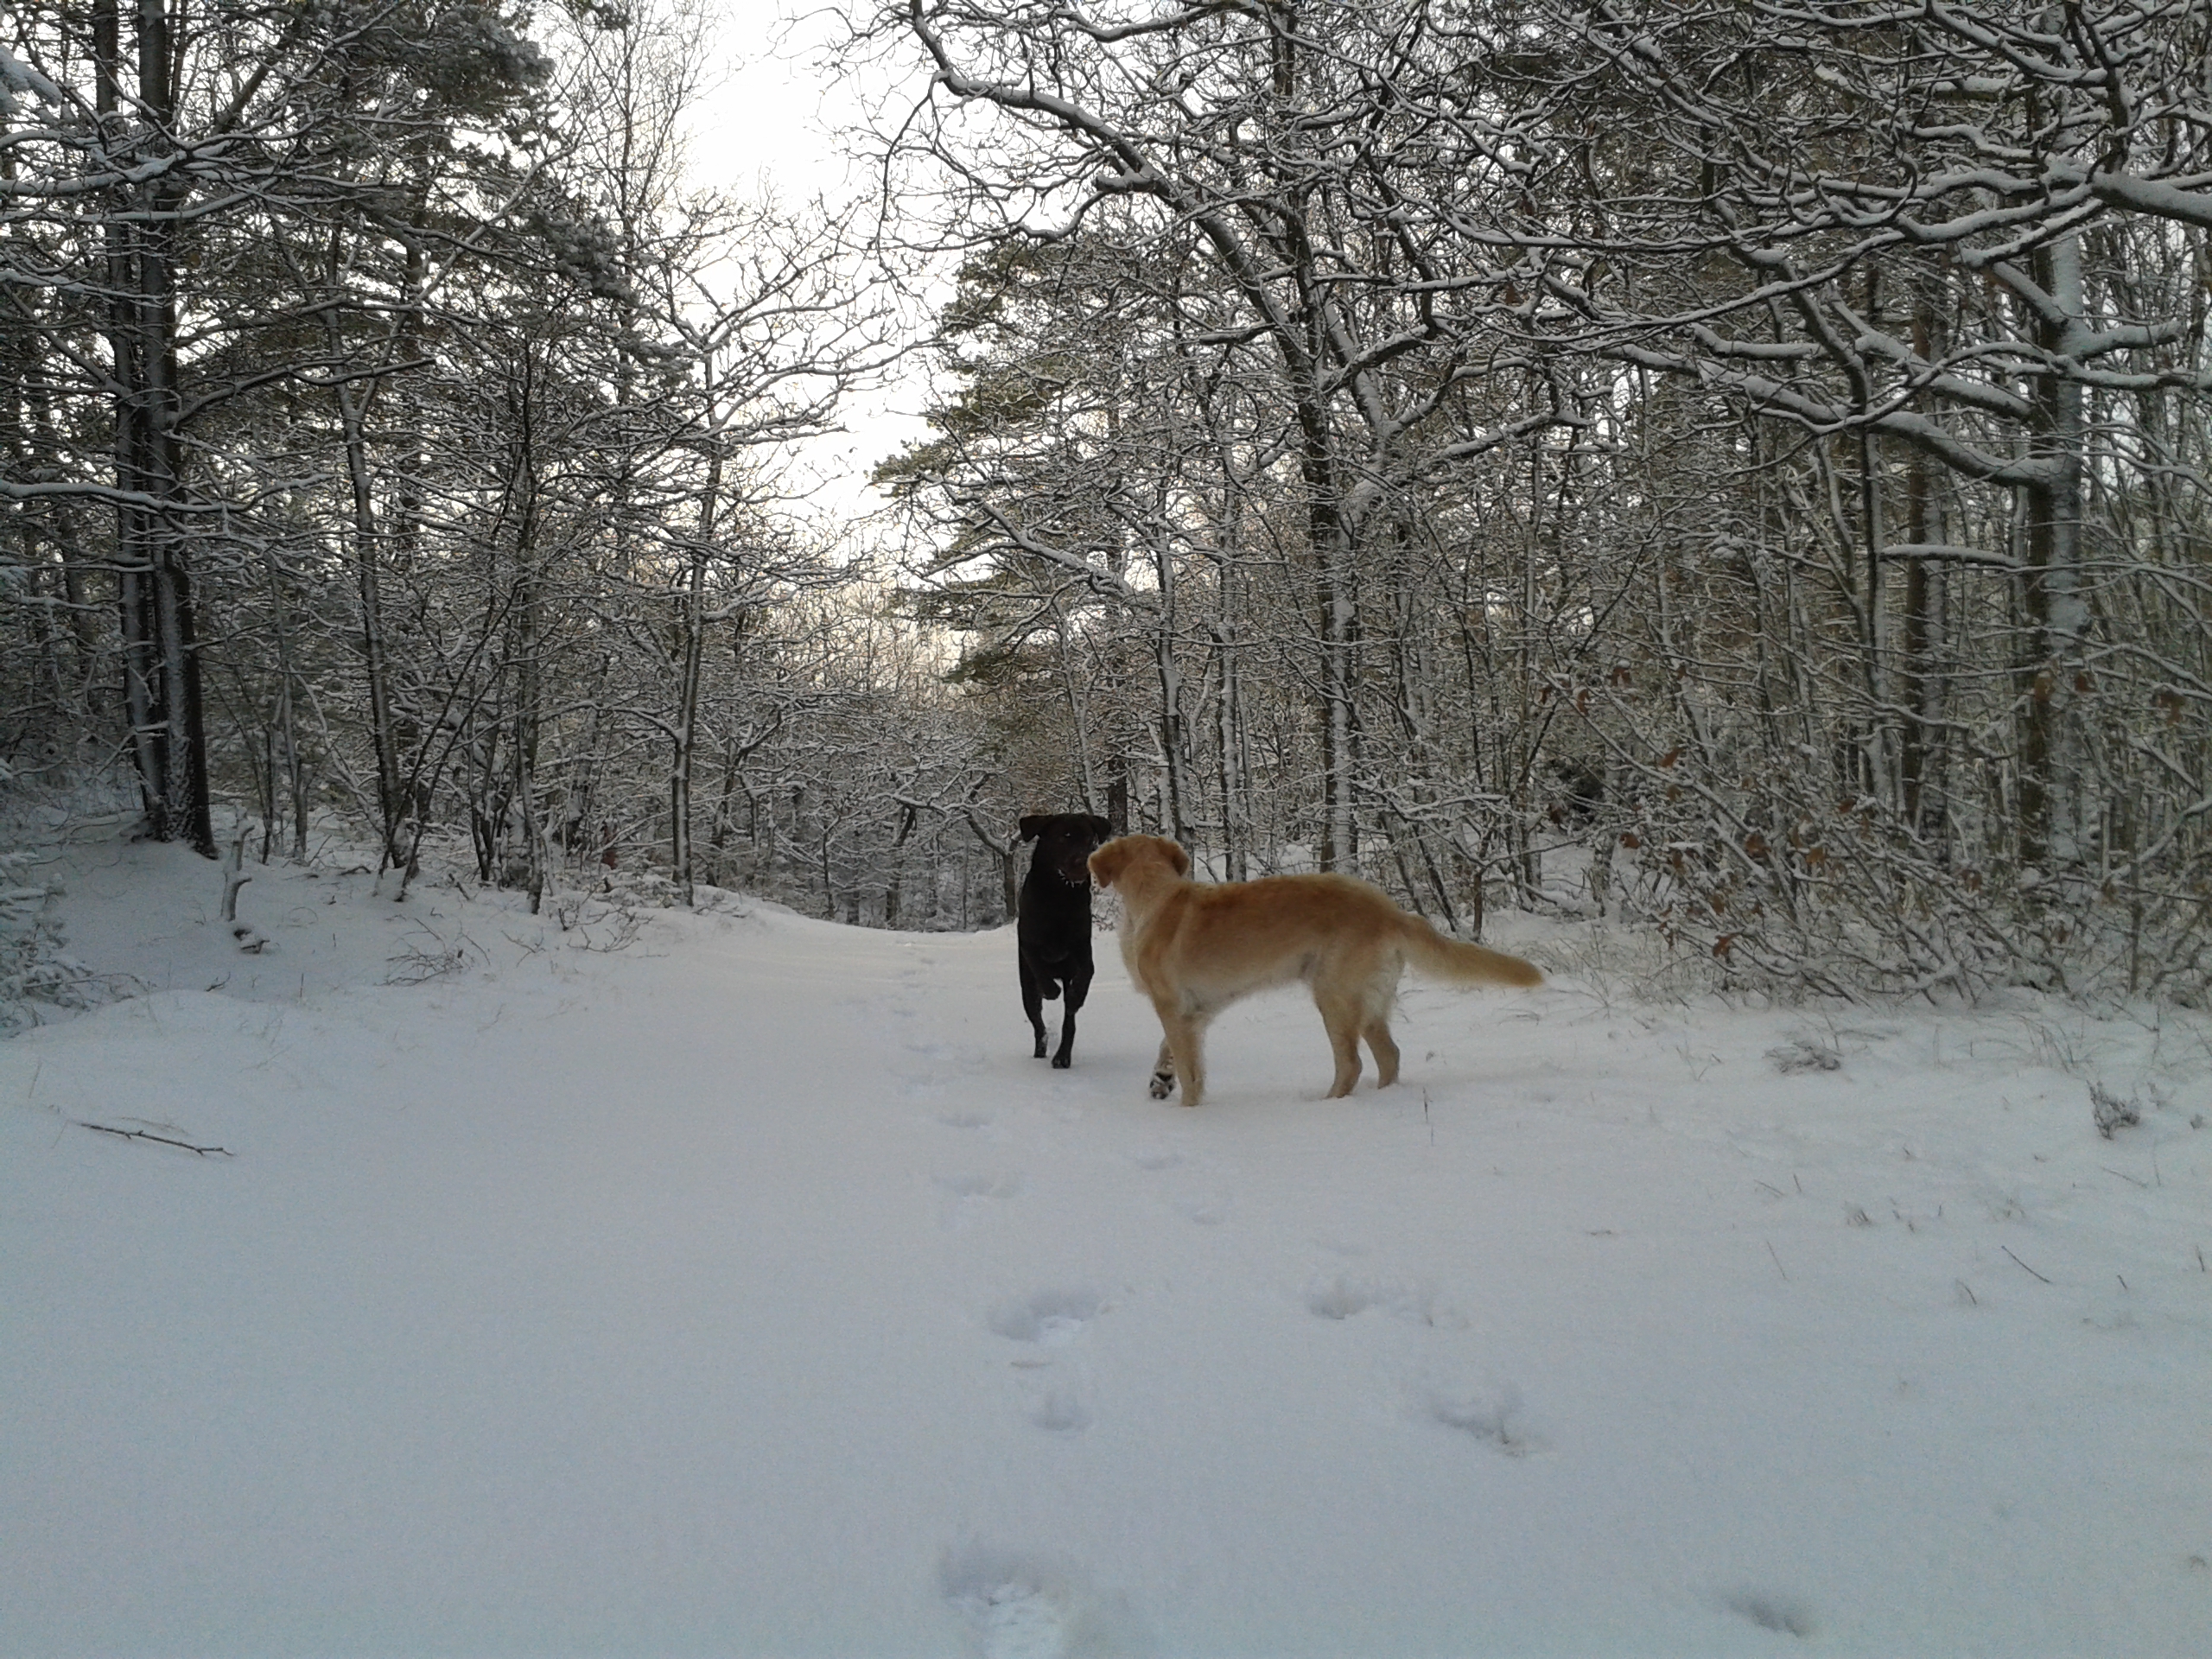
(1740, 469)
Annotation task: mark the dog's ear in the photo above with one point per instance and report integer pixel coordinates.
(1100, 828)
(1182, 858)
(1031, 828)
(1107, 863)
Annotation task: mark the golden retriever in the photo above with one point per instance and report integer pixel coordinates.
(1195, 949)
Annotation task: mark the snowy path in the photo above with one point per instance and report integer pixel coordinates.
(750, 1291)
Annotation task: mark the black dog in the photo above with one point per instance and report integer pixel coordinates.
(1054, 933)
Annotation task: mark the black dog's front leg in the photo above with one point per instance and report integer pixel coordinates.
(1032, 1003)
(1078, 988)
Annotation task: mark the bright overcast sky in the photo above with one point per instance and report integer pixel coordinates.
(775, 109)
(772, 120)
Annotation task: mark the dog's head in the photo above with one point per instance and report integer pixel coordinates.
(1118, 859)
(1064, 841)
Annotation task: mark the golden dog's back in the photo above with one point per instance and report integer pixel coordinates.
(1242, 936)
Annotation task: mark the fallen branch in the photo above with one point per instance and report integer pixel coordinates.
(148, 1134)
(2007, 1248)
(234, 877)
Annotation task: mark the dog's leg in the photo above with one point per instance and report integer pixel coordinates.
(1079, 989)
(1181, 1056)
(1382, 996)
(1163, 1072)
(1343, 1042)
(1386, 1049)
(1343, 1018)
(1032, 1003)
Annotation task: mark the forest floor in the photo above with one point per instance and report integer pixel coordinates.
(736, 1284)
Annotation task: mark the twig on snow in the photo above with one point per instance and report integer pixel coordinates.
(148, 1134)
(2007, 1248)
(2110, 1113)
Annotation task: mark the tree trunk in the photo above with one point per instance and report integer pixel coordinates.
(692, 623)
(2056, 609)
(383, 737)
(160, 644)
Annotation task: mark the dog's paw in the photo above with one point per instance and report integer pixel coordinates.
(1163, 1085)
(1062, 1062)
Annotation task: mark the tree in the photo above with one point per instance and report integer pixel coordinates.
(175, 153)
(1268, 142)
(1754, 410)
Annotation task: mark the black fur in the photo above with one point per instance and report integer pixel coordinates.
(1053, 931)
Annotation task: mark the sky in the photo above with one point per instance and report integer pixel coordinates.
(774, 123)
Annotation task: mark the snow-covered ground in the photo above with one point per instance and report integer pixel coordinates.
(745, 1288)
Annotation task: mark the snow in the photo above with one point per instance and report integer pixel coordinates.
(737, 1284)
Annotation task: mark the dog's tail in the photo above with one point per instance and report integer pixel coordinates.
(1463, 964)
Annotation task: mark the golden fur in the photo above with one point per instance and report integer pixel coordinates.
(1194, 948)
